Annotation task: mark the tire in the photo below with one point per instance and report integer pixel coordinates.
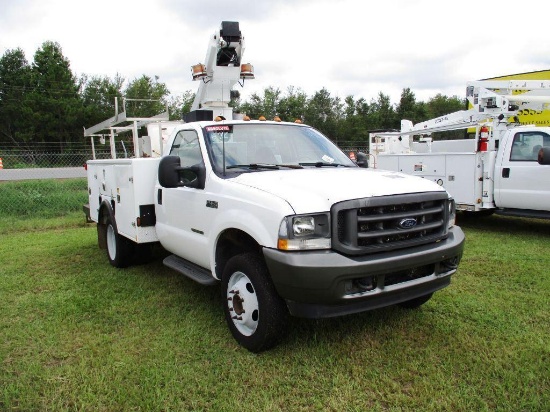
(416, 302)
(120, 250)
(256, 315)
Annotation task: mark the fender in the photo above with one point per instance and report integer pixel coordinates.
(105, 209)
(264, 231)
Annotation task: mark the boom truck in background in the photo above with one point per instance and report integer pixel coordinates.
(504, 169)
(272, 211)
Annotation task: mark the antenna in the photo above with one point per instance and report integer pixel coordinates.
(223, 139)
(223, 152)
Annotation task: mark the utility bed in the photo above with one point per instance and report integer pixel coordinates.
(129, 184)
(460, 173)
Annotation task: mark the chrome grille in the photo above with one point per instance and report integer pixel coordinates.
(390, 222)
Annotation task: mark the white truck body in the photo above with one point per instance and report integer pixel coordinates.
(376, 238)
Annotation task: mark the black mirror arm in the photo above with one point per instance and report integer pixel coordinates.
(362, 160)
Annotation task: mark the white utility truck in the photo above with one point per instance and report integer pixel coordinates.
(275, 212)
(504, 169)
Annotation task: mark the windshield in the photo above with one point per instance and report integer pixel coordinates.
(264, 146)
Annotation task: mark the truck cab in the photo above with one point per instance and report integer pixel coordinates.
(520, 181)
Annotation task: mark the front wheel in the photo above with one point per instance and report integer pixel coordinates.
(257, 317)
(416, 302)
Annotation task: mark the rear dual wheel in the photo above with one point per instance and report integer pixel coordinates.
(120, 250)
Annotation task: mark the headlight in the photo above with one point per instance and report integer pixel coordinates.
(304, 232)
(452, 213)
(303, 226)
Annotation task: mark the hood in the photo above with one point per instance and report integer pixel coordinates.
(317, 189)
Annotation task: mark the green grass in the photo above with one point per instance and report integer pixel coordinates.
(78, 334)
(32, 199)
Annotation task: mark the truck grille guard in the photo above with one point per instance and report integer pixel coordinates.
(371, 225)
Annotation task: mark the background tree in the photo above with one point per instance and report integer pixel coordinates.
(292, 106)
(98, 97)
(324, 112)
(354, 127)
(440, 105)
(179, 105)
(44, 102)
(262, 105)
(409, 109)
(15, 113)
(54, 99)
(382, 114)
(152, 97)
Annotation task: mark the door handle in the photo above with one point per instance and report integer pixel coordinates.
(505, 172)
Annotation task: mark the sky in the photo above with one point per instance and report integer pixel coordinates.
(349, 47)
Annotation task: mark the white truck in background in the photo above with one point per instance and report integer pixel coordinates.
(504, 169)
(272, 211)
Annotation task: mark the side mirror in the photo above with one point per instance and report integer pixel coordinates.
(168, 171)
(362, 159)
(544, 156)
(171, 174)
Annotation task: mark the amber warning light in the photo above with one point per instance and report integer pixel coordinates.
(198, 71)
(247, 71)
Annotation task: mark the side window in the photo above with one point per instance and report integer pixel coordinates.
(526, 146)
(186, 146)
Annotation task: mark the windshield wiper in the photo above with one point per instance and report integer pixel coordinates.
(265, 166)
(292, 166)
(322, 164)
(254, 166)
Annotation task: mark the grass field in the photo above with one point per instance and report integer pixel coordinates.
(78, 334)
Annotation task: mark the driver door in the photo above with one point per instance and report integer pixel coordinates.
(179, 224)
(521, 182)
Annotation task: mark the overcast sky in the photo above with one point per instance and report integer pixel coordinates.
(350, 47)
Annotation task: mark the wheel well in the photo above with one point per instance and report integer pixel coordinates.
(104, 211)
(234, 242)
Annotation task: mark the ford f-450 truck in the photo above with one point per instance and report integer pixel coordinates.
(282, 219)
(272, 211)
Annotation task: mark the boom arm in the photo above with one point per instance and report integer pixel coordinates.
(488, 100)
(221, 71)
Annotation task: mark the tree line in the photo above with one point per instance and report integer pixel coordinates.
(43, 101)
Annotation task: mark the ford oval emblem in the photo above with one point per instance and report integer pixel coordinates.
(407, 223)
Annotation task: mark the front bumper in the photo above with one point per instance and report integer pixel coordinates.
(316, 284)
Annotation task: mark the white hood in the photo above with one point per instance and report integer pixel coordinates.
(317, 189)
